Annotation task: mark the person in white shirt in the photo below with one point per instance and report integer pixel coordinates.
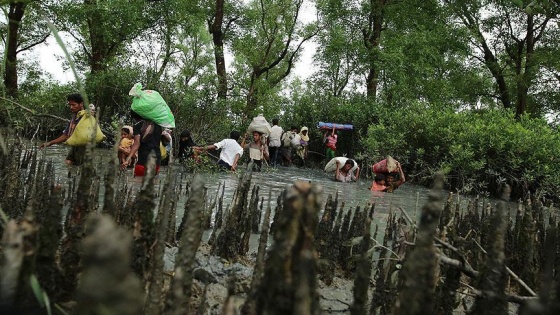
(274, 142)
(231, 151)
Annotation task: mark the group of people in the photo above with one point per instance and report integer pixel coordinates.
(273, 150)
(282, 142)
(388, 173)
(146, 137)
(136, 145)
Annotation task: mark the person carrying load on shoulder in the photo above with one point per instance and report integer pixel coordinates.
(147, 139)
(275, 142)
(390, 169)
(289, 138)
(79, 131)
(151, 114)
(231, 151)
(258, 150)
(329, 139)
(346, 173)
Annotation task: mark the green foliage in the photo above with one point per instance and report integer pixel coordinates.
(40, 294)
(478, 150)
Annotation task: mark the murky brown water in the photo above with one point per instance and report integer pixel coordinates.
(409, 197)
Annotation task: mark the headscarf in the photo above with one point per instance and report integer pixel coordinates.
(129, 129)
(302, 136)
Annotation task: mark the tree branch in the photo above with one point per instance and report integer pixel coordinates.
(33, 112)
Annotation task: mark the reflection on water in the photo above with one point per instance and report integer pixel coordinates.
(409, 197)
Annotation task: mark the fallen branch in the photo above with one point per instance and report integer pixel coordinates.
(51, 116)
(512, 298)
(512, 274)
(466, 269)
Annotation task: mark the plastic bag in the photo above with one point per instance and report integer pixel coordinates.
(259, 124)
(85, 131)
(150, 105)
(331, 166)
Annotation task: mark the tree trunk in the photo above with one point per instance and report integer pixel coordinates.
(15, 15)
(372, 38)
(252, 98)
(97, 39)
(525, 78)
(218, 39)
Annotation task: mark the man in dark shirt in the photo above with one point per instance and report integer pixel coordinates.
(147, 137)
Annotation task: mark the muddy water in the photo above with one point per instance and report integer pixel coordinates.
(408, 197)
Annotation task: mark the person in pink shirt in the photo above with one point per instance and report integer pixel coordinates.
(330, 139)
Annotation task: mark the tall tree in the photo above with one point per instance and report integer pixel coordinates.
(22, 34)
(102, 28)
(101, 31)
(218, 31)
(339, 46)
(508, 36)
(372, 38)
(270, 40)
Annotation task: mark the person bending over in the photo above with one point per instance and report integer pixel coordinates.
(231, 151)
(345, 174)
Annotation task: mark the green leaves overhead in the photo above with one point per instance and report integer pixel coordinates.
(518, 3)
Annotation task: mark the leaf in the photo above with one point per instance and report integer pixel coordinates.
(47, 303)
(36, 287)
(518, 3)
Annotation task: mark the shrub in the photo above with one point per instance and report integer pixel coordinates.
(478, 150)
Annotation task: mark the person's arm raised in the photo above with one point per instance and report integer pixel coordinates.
(357, 173)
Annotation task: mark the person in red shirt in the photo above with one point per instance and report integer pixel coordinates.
(330, 142)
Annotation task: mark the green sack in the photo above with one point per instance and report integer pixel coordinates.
(86, 130)
(150, 105)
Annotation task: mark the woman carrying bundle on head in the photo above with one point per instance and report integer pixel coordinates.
(392, 172)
